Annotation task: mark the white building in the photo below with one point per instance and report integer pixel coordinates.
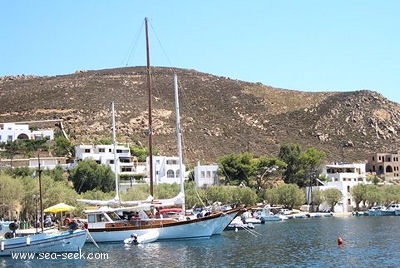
(104, 154)
(342, 177)
(165, 169)
(47, 162)
(12, 132)
(206, 175)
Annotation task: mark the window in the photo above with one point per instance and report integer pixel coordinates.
(348, 189)
(208, 174)
(171, 162)
(9, 137)
(87, 150)
(102, 150)
(126, 169)
(170, 173)
(202, 174)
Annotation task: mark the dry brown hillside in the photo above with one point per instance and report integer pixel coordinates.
(219, 115)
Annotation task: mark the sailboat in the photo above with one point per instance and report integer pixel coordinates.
(106, 225)
(52, 241)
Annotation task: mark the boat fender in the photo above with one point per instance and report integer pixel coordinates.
(28, 240)
(8, 235)
(73, 225)
(340, 241)
(85, 225)
(2, 245)
(13, 226)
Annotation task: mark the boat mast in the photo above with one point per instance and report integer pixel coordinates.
(115, 153)
(150, 133)
(40, 194)
(179, 138)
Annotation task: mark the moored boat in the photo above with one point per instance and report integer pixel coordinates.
(105, 225)
(238, 224)
(46, 242)
(380, 211)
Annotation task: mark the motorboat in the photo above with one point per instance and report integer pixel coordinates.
(239, 224)
(380, 211)
(266, 214)
(145, 238)
(44, 242)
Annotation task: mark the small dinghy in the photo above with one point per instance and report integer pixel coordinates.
(148, 237)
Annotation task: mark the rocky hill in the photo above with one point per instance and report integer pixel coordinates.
(219, 115)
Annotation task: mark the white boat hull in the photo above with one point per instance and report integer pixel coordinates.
(187, 229)
(65, 241)
(148, 237)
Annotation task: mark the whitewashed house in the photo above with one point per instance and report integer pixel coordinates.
(206, 175)
(342, 176)
(47, 162)
(13, 131)
(104, 154)
(165, 169)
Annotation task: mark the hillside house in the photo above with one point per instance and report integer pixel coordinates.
(206, 175)
(342, 176)
(13, 132)
(384, 165)
(165, 169)
(104, 154)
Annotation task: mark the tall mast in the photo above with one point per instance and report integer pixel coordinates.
(115, 153)
(179, 139)
(150, 133)
(40, 194)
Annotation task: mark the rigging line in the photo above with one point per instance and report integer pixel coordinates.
(254, 233)
(160, 44)
(133, 46)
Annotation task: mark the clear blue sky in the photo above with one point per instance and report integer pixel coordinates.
(308, 45)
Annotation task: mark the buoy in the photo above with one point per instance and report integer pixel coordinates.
(340, 241)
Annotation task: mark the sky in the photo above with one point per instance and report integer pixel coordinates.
(306, 45)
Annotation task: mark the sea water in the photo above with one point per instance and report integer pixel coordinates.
(368, 242)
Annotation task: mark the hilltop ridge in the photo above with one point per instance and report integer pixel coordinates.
(219, 115)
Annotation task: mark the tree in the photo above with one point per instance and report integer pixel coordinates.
(309, 161)
(332, 197)
(63, 146)
(317, 198)
(237, 168)
(391, 194)
(302, 167)
(373, 195)
(139, 152)
(268, 172)
(288, 195)
(11, 191)
(358, 193)
(290, 153)
(11, 148)
(31, 146)
(88, 175)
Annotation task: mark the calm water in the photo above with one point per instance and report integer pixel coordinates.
(368, 242)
